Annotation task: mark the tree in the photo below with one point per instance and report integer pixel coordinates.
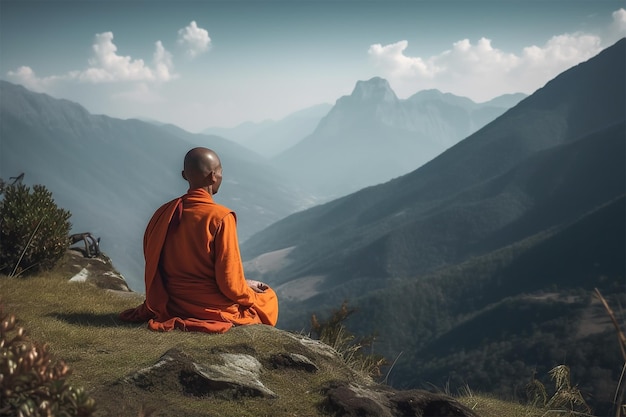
(33, 229)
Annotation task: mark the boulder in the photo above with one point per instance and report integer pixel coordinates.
(97, 270)
(348, 400)
(232, 376)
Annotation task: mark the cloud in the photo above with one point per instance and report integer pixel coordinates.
(481, 71)
(391, 58)
(162, 63)
(26, 76)
(617, 29)
(107, 66)
(196, 40)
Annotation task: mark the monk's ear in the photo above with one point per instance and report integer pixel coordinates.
(184, 176)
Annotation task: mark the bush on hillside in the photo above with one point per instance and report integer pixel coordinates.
(32, 383)
(333, 333)
(33, 229)
(567, 400)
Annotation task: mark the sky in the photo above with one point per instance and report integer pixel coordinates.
(200, 64)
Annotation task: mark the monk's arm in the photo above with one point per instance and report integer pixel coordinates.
(228, 267)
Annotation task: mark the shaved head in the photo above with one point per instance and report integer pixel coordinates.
(203, 169)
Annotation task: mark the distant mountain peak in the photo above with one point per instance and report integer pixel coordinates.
(374, 89)
(434, 95)
(429, 93)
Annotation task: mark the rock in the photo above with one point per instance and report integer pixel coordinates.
(315, 346)
(347, 399)
(351, 400)
(98, 271)
(293, 360)
(243, 362)
(237, 376)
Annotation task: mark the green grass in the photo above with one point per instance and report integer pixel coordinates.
(79, 323)
(488, 406)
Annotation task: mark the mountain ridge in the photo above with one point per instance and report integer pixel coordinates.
(270, 137)
(371, 136)
(430, 181)
(98, 166)
(537, 169)
(112, 174)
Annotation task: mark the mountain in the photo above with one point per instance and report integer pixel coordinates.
(112, 174)
(269, 138)
(491, 250)
(372, 136)
(485, 188)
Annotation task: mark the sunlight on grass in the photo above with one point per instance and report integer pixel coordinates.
(79, 323)
(486, 406)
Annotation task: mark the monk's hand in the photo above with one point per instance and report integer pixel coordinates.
(257, 286)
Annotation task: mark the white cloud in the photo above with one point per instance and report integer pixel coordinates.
(391, 58)
(107, 66)
(162, 63)
(26, 76)
(196, 40)
(480, 71)
(617, 29)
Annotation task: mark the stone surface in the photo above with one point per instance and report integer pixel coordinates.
(237, 376)
(243, 372)
(293, 360)
(98, 271)
(347, 399)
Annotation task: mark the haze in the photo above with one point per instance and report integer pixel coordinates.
(217, 64)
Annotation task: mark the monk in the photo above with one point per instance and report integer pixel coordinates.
(193, 274)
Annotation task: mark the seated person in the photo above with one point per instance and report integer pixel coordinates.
(193, 274)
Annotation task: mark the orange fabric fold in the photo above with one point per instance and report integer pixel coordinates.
(194, 275)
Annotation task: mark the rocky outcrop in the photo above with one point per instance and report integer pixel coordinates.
(234, 375)
(249, 363)
(349, 400)
(98, 271)
(262, 363)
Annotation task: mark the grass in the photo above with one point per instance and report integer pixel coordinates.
(488, 406)
(79, 323)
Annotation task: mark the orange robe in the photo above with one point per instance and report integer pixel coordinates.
(194, 276)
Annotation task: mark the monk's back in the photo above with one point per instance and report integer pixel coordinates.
(188, 257)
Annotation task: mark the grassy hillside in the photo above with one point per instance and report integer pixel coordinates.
(79, 323)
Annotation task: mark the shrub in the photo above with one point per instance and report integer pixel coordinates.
(32, 383)
(567, 400)
(333, 333)
(33, 230)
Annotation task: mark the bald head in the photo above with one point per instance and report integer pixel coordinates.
(203, 169)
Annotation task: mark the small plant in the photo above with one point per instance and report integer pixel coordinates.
(33, 230)
(32, 383)
(536, 393)
(333, 333)
(567, 400)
